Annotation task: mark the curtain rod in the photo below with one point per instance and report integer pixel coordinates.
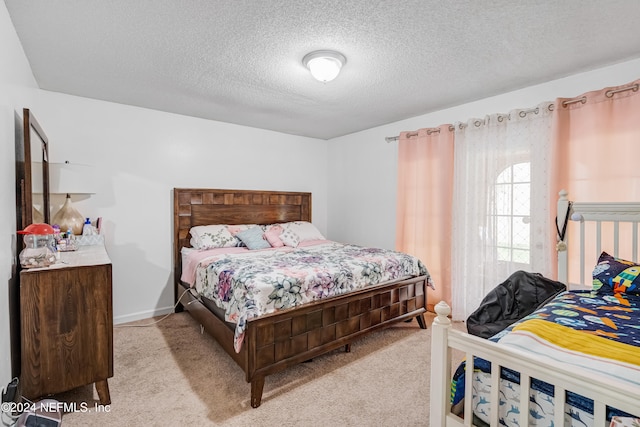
(582, 99)
(608, 94)
(477, 123)
(415, 133)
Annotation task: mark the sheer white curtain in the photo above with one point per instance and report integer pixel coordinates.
(502, 202)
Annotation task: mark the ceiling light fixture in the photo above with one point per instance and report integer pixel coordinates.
(324, 65)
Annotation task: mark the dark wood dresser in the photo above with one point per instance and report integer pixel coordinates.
(66, 331)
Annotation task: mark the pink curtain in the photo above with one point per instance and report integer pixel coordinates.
(425, 187)
(597, 142)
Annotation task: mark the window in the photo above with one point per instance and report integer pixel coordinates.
(509, 214)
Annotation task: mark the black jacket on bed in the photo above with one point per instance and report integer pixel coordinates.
(518, 296)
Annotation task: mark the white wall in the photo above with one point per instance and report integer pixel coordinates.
(363, 167)
(16, 86)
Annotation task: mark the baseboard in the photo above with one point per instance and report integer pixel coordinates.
(142, 315)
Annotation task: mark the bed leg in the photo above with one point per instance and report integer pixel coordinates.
(257, 384)
(347, 348)
(179, 308)
(421, 321)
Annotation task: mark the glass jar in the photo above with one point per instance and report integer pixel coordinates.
(39, 251)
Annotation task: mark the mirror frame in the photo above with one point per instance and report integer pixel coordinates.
(24, 170)
(24, 126)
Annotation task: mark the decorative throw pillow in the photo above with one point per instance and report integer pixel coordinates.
(305, 230)
(616, 273)
(289, 238)
(235, 229)
(273, 236)
(253, 238)
(212, 236)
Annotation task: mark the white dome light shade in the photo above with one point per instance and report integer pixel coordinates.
(324, 65)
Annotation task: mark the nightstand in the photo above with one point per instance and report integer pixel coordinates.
(66, 330)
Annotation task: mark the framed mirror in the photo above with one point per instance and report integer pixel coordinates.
(32, 172)
(32, 205)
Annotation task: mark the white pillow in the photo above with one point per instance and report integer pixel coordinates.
(304, 230)
(289, 238)
(212, 236)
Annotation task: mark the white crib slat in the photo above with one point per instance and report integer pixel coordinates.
(599, 414)
(616, 237)
(599, 239)
(525, 385)
(468, 391)
(634, 240)
(493, 395)
(559, 397)
(581, 253)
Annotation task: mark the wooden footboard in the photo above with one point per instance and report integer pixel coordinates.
(277, 341)
(603, 391)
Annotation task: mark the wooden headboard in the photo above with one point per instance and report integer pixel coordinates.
(203, 206)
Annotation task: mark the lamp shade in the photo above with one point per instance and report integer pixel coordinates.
(65, 178)
(71, 178)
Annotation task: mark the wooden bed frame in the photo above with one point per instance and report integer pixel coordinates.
(604, 391)
(277, 341)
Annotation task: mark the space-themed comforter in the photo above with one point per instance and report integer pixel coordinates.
(599, 332)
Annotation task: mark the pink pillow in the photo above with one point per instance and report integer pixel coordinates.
(273, 236)
(235, 229)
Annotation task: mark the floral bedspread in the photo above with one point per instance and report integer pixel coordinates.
(254, 283)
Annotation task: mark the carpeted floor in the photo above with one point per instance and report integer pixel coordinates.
(169, 374)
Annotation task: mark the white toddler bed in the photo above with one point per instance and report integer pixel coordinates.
(602, 226)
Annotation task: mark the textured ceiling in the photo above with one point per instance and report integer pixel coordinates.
(239, 61)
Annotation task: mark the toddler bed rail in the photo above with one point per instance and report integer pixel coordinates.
(596, 227)
(602, 390)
